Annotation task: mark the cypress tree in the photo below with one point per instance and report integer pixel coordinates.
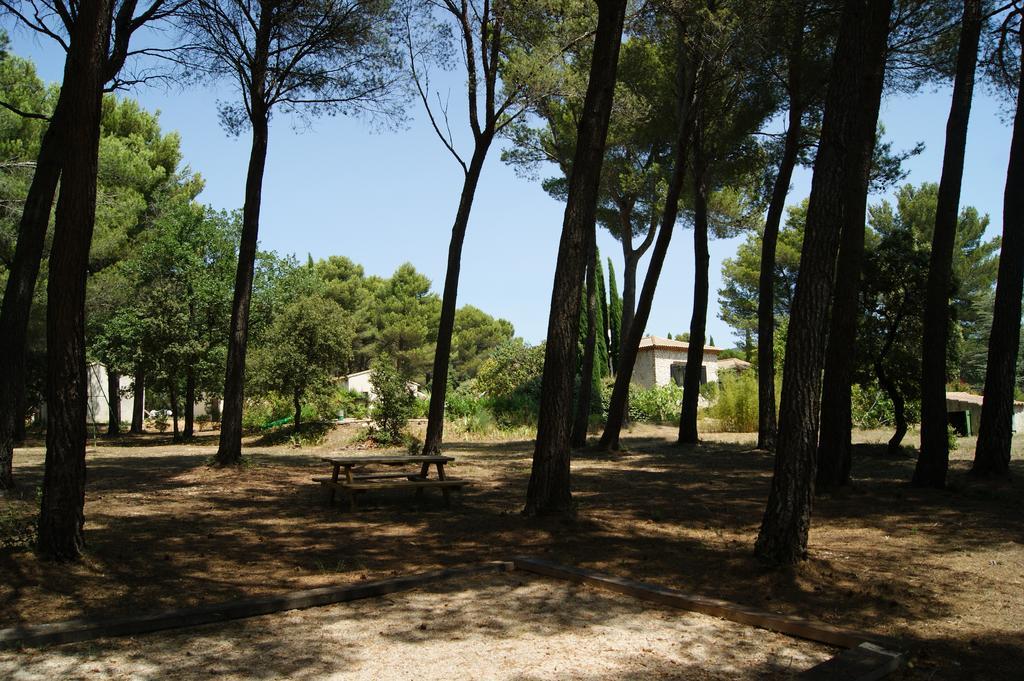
(614, 316)
(601, 362)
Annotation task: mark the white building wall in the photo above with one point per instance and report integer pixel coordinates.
(654, 366)
(98, 406)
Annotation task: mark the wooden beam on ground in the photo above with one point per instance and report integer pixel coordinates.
(793, 626)
(89, 628)
(866, 662)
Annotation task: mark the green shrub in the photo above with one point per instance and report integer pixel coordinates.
(394, 400)
(513, 367)
(352, 404)
(735, 407)
(464, 400)
(657, 404)
(420, 408)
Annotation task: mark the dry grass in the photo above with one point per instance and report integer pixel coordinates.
(941, 570)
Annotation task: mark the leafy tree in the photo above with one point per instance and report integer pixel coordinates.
(512, 366)
(394, 399)
(307, 346)
(475, 335)
(303, 57)
(174, 327)
(405, 314)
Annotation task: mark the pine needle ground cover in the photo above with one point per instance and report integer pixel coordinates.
(940, 571)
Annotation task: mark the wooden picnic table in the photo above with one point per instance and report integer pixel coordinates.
(352, 483)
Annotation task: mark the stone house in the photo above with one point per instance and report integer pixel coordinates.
(661, 361)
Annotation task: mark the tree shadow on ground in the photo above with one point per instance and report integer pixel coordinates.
(167, 530)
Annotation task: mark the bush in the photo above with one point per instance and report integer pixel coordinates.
(420, 408)
(735, 408)
(513, 367)
(657, 404)
(353, 405)
(394, 400)
(464, 400)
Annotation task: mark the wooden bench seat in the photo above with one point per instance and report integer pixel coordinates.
(389, 481)
(378, 476)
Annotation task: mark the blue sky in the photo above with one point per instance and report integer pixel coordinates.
(384, 198)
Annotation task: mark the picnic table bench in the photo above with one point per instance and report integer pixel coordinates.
(353, 483)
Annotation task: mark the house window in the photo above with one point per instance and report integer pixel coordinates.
(678, 370)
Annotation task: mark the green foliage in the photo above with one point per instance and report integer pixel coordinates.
(614, 315)
(474, 336)
(394, 400)
(308, 344)
(872, 407)
(657, 404)
(735, 407)
(353, 404)
(513, 368)
(601, 352)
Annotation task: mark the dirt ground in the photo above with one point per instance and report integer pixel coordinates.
(494, 626)
(942, 571)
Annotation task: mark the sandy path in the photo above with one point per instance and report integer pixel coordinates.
(487, 627)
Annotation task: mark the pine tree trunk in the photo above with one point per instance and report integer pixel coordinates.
(582, 421)
(630, 345)
(297, 404)
(549, 489)
(698, 319)
(190, 404)
(21, 285)
(229, 452)
(446, 326)
(992, 455)
(138, 401)
(839, 183)
(172, 391)
(933, 459)
(835, 441)
(766, 424)
(61, 517)
(113, 404)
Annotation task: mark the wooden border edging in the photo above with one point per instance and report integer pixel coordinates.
(863, 659)
(84, 629)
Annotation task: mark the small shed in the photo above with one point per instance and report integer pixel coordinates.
(660, 361)
(964, 412)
